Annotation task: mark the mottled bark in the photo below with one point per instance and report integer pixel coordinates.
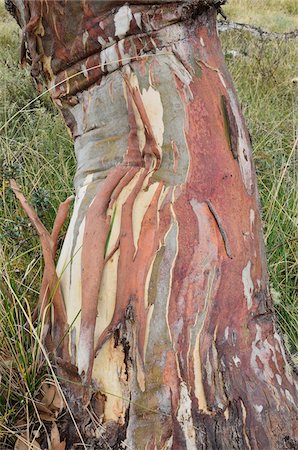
(172, 339)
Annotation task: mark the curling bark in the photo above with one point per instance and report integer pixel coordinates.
(172, 341)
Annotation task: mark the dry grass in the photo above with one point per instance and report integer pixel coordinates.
(272, 15)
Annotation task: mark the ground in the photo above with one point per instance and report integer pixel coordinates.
(37, 151)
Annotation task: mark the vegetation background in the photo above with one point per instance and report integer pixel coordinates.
(37, 151)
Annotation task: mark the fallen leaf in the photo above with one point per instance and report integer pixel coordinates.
(23, 444)
(49, 391)
(47, 417)
(55, 436)
(56, 444)
(57, 402)
(60, 446)
(51, 399)
(20, 444)
(42, 408)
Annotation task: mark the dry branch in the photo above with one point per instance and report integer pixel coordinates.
(256, 31)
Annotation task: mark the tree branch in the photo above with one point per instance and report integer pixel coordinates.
(256, 31)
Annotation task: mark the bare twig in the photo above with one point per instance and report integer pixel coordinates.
(256, 31)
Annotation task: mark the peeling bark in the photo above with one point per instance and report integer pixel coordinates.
(172, 339)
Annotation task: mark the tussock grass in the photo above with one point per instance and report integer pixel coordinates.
(272, 15)
(37, 151)
(22, 367)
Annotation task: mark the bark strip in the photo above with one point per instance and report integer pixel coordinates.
(60, 337)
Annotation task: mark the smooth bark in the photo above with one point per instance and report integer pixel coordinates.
(172, 338)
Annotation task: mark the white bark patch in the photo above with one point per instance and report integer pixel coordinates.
(73, 301)
(84, 70)
(84, 352)
(237, 361)
(85, 37)
(259, 351)
(263, 352)
(279, 379)
(69, 266)
(101, 41)
(109, 373)
(222, 80)
(122, 21)
(123, 196)
(226, 333)
(138, 19)
(202, 42)
(154, 109)
(109, 59)
(244, 148)
(184, 417)
(252, 221)
(288, 369)
(168, 445)
(107, 295)
(289, 397)
(247, 284)
(153, 105)
(258, 408)
(208, 369)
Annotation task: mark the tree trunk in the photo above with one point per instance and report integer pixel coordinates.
(162, 325)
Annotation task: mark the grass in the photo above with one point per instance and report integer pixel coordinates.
(271, 15)
(38, 152)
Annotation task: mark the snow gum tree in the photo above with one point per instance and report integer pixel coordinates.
(162, 324)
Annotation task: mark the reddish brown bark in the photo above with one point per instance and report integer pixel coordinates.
(163, 271)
